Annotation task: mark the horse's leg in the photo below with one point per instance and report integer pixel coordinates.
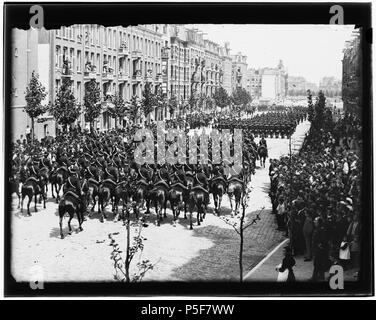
(185, 209)
(80, 218)
(52, 190)
(219, 203)
(30, 197)
(61, 214)
(22, 200)
(230, 199)
(165, 208)
(19, 198)
(35, 202)
(44, 200)
(157, 211)
(69, 221)
(215, 198)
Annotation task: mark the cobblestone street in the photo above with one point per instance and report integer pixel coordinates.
(208, 252)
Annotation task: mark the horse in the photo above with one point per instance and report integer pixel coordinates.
(57, 179)
(218, 189)
(177, 195)
(31, 188)
(106, 193)
(197, 198)
(71, 204)
(263, 154)
(158, 195)
(235, 189)
(14, 182)
(92, 180)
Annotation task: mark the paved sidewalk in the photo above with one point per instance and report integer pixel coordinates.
(266, 269)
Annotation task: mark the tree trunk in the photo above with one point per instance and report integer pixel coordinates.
(127, 262)
(116, 125)
(241, 245)
(32, 129)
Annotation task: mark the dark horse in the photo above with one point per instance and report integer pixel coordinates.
(235, 189)
(159, 195)
(107, 192)
(177, 196)
(197, 198)
(31, 188)
(218, 189)
(57, 179)
(71, 204)
(263, 154)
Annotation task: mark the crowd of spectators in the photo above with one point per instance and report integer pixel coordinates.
(316, 196)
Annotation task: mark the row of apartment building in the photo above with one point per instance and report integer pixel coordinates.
(177, 59)
(171, 57)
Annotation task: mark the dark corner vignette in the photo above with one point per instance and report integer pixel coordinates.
(55, 16)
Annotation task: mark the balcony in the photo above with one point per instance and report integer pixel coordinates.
(159, 78)
(90, 72)
(123, 76)
(123, 50)
(107, 76)
(137, 76)
(136, 54)
(149, 76)
(66, 72)
(165, 53)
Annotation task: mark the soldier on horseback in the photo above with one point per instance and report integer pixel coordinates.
(73, 184)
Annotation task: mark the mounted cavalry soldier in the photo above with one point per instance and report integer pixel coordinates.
(73, 184)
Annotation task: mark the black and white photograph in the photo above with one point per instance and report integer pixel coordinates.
(156, 153)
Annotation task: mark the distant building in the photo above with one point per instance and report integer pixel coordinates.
(121, 60)
(298, 86)
(274, 83)
(239, 71)
(330, 86)
(254, 83)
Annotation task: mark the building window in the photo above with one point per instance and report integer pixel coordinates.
(78, 91)
(79, 62)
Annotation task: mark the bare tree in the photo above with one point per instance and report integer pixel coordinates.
(239, 224)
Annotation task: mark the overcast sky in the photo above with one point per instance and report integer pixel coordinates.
(311, 51)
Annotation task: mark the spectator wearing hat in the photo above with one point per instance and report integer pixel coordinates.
(288, 263)
(281, 213)
(320, 251)
(308, 228)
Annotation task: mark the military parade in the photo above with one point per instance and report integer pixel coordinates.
(215, 180)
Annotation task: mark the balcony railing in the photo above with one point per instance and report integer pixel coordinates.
(123, 76)
(66, 72)
(149, 78)
(90, 73)
(159, 78)
(108, 76)
(137, 76)
(136, 54)
(124, 51)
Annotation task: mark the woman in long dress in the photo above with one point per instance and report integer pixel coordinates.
(285, 271)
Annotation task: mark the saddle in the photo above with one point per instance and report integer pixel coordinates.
(163, 183)
(219, 178)
(61, 168)
(32, 179)
(178, 184)
(93, 181)
(72, 193)
(200, 188)
(143, 182)
(232, 179)
(109, 181)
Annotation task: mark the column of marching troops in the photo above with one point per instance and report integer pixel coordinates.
(80, 163)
